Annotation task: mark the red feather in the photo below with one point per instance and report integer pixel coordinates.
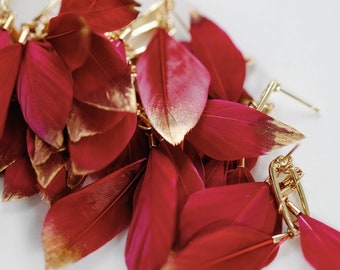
(320, 243)
(215, 173)
(45, 91)
(46, 161)
(10, 58)
(70, 37)
(195, 158)
(5, 39)
(250, 205)
(20, 180)
(227, 67)
(152, 228)
(230, 131)
(173, 86)
(189, 180)
(83, 221)
(83, 120)
(104, 80)
(94, 153)
(57, 188)
(239, 175)
(232, 247)
(13, 140)
(102, 15)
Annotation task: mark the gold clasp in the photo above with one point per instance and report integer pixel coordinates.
(284, 179)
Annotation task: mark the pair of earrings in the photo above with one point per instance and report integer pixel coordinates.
(157, 125)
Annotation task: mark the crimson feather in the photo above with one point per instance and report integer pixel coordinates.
(70, 37)
(239, 175)
(232, 247)
(19, 180)
(250, 205)
(215, 173)
(104, 80)
(320, 243)
(173, 86)
(189, 180)
(83, 120)
(95, 152)
(83, 221)
(230, 131)
(5, 39)
(46, 160)
(152, 230)
(57, 188)
(214, 48)
(13, 140)
(10, 57)
(45, 91)
(102, 15)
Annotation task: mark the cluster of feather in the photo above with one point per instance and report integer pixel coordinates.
(160, 149)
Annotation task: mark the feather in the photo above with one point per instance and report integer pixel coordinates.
(83, 120)
(57, 188)
(214, 48)
(195, 158)
(19, 180)
(215, 173)
(320, 243)
(250, 205)
(94, 153)
(5, 39)
(230, 131)
(70, 37)
(104, 80)
(173, 86)
(152, 230)
(189, 180)
(102, 15)
(83, 221)
(46, 161)
(10, 58)
(13, 140)
(239, 175)
(45, 91)
(232, 247)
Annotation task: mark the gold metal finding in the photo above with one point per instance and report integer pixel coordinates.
(275, 86)
(284, 179)
(137, 34)
(37, 28)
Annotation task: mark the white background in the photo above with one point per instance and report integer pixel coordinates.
(295, 42)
